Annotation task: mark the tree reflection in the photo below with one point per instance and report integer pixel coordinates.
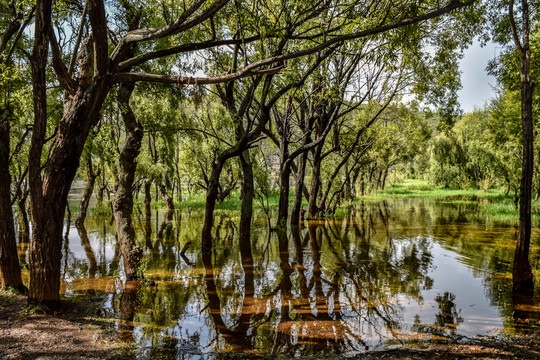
(236, 336)
(447, 318)
(331, 287)
(129, 303)
(85, 242)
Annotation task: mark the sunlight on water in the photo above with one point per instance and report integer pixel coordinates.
(389, 274)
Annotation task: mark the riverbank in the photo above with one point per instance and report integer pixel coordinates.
(29, 333)
(495, 206)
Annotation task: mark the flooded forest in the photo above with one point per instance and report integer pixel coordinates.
(222, 179)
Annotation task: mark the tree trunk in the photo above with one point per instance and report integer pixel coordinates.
(10, 271)
(313, 210)
(248, 193)
(168, 200)
(49, 186)
(383, 184)
(283, 209)
(24, 224)
(362, 188)
(24, 229)
(537, 196)
(211, 198)
(87, 193)
(284, 181)
(522, 273)
(297, 204)
(147, 199)
(379, 177)
(123, 197)
(352, 194)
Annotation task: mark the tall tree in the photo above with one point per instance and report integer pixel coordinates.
(13, 21)
(99, 70)
(522, 273)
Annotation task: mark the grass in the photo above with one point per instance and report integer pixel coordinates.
(421, 189)
(198, 201)
(7, 297)
(494, 205)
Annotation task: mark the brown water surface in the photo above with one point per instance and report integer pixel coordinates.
(394, 273)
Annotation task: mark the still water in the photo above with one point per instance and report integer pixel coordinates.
(392, 273)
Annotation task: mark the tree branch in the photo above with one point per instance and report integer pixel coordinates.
(181, 24)
(59, 67)
(98, 21)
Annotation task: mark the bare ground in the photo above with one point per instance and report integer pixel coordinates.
(27, 334)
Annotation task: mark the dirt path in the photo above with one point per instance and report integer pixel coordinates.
(40, 336)
(67, 335)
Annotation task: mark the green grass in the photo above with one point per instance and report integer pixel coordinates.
(198, 201)
(494, 205)
(421, 189)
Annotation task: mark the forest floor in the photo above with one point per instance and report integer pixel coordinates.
(27, 334)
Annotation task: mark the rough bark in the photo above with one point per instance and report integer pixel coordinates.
(522, 273)
(49, 187)
(123, 197)
(10, 271)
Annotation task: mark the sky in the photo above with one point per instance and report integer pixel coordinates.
(477, 84)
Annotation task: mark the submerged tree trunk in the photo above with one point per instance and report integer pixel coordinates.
(522, 273)
(123, 197)
(87, 193)
(10, 271)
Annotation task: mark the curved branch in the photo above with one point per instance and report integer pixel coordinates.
(181, 24)
(250, 69)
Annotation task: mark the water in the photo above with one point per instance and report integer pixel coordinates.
(398, 273)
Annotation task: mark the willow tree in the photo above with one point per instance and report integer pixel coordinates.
(194, 29)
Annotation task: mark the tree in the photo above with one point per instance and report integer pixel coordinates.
(522, 273)
(96, 75)
(14, 17)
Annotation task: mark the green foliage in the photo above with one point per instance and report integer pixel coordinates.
(33, 309)
(481, 150)
(102, 210)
